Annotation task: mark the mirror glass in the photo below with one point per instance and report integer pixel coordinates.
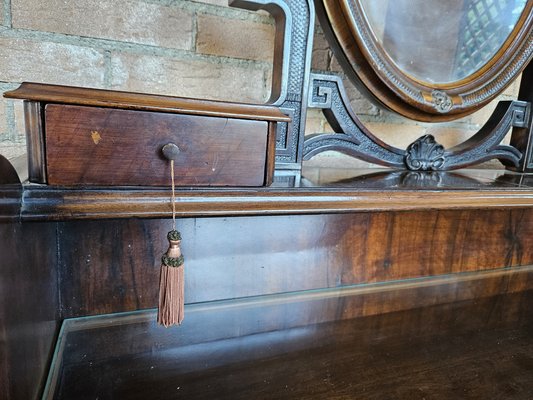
(441, 41)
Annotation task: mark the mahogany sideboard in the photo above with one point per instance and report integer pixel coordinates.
(341, 284)
(327, 284)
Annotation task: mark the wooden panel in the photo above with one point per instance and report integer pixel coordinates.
(228, 258)
(99, 146)
(28, 307)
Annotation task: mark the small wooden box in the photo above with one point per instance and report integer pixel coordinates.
(80, 136)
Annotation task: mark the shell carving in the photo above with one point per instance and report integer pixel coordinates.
(425, 154)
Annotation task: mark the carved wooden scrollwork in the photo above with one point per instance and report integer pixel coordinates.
(352, 138)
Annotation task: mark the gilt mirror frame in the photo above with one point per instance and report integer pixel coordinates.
(367, 64)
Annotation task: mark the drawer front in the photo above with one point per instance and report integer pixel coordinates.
(104, 146)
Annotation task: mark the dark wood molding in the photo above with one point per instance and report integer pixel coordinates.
(10, 202)
(35, 141)
(144, 102)
(50, 203)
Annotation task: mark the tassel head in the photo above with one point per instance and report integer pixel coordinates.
(173, 257)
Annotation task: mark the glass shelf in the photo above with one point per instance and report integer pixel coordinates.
(447, 331)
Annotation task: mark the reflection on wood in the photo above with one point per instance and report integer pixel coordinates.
(312, 351)
(113, 266)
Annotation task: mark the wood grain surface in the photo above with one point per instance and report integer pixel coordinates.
(49, 203)
(113, 266)
(101, 146)
(29, 307)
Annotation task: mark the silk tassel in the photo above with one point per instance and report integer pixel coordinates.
(171, 284)
(171, 281)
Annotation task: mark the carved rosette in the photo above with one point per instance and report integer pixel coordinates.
(425, 154)
(441, 101)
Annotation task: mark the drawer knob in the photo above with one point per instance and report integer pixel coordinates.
(171, 151)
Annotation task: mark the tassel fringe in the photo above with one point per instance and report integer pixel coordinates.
(171, 292)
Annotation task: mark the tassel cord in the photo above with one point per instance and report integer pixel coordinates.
(173, 195)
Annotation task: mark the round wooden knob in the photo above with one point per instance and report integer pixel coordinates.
(171, 151)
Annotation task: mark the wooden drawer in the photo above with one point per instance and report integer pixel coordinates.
(104, 146)
(79, 136)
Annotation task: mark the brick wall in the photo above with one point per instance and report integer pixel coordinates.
(180, 47)
(185, 48)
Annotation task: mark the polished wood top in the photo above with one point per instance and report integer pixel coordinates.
(148, 102)
(318, 191)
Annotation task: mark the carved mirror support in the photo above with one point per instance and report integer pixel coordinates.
(425, 154)
(372, 41)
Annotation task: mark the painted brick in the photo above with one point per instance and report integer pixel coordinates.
(235, 38)
(512, 90)
(12, 144)
(12, 150)
(188, 78)
(4, 132)
(478, 119)
(337, 165)
(396, 134)
(314, 122)
(26, 60)
(449, 136)
(221, 3)
(321, 52)
(20, 129)
(334, 64)
(360, 104)
(124, 20)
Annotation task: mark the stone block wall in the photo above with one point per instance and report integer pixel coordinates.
(187, 48)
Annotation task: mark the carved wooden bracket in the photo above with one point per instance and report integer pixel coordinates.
(353, 138)
(292, 65)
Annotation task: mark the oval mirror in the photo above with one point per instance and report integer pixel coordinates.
(430, 60)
